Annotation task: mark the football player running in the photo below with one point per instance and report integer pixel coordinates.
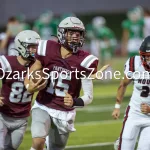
(53, 112)
(137, 120)
(15, 100)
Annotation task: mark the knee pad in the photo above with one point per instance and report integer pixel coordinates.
(40, 123)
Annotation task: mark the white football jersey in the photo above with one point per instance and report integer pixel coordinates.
(135, 70)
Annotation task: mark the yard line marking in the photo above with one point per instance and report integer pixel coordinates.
(111, 95)
(98, 122)
(94, 123)
(89, 145)
(102, 108)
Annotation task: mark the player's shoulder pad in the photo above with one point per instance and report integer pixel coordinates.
(132, 63)
(4, 61)
(87, 60)
(45, 45)
(42, 48)
(137, 62)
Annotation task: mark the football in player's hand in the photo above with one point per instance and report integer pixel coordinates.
(37, 75)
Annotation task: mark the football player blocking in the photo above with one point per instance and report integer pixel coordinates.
(53, 112)
(137, 120)
(15, 100)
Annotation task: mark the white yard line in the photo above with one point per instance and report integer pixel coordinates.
(101, 108)
(94, 123)
(98, 122)
(89, 145)
(111, 95)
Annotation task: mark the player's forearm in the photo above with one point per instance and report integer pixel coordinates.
(120, 93)
(122, 89)
(87, 97)
(27, 85)
(36, 66)
(87, 86)
(27, 80)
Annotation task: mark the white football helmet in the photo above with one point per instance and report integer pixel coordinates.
(98, 22)
(73, 24)
(23, 40)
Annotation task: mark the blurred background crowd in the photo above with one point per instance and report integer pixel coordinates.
(107, 36)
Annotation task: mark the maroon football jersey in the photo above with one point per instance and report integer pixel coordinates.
(64, 73)
(17, 101)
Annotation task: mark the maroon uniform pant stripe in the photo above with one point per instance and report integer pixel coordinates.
(124, 122)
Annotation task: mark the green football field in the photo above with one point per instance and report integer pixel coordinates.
(96, 129)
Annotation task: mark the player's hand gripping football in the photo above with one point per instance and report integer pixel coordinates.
(1, 101)
(68, 100)
(145, 108)
(116, 113)
(36, 86)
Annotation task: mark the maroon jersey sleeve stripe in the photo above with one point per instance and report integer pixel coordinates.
(124, 122)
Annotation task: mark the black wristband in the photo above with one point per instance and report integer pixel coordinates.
(78, 102)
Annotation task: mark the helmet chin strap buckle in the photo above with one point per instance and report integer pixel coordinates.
(74, 46)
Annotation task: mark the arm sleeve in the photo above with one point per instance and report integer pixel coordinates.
(87, 86)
